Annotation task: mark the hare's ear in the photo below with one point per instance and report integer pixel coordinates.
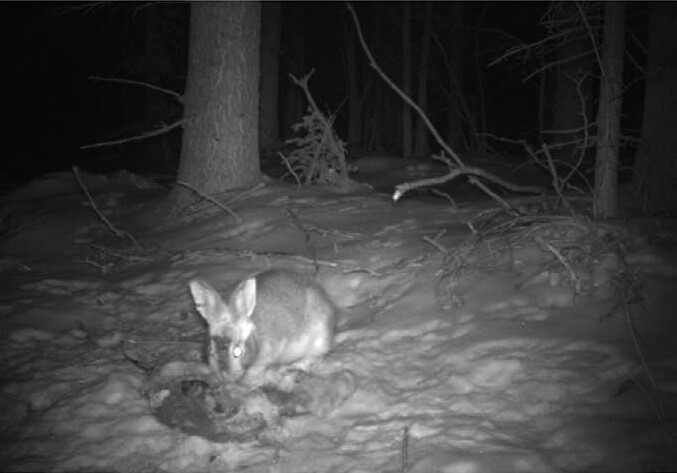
(209, 304)
(243, 299)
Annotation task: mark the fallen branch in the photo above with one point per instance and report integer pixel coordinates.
(210, 199)
(556, 184)
(132, 258)
(291, 169)
(433, 242)
(114, 230)
(104, 268)
(464, 170)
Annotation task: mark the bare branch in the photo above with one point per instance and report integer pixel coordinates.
(556, 184)
(114, 230)
(85, 8)
(210, 199)
(595, 47)
(463, 170)
(143, 136)
(556, 63)
(291, 169)
(175, 95)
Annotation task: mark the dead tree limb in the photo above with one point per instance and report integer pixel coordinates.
(159, 131)
(211, 199)
(113, 229)
(142, 136)
(177, 96)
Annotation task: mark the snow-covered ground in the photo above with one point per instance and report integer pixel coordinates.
(471, 355)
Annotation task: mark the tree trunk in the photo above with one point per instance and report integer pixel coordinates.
(270, 62)
(609, 115)
(655, 184)
(422, 145)
(220, 139)
(407, 128)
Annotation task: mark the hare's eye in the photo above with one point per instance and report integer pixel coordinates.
(238, 351)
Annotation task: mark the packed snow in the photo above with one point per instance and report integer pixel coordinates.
(491, 365)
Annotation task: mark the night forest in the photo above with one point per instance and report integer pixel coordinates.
(495, 79)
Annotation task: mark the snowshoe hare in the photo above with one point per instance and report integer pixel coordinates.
(276, 318)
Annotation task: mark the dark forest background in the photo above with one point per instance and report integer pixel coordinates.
(51, 108)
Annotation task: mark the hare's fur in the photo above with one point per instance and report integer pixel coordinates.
(275, 318)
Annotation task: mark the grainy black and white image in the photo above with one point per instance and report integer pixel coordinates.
(338, 237)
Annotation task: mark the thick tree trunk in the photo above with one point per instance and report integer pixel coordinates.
(270, 62)
(609, 115)
(220, 139)
(655, 180)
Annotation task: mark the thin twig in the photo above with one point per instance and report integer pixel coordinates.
(568, 131)
(595, 48)
(655, 398)
(552, 64)
(556, 184)
(116, 231)
(106, 251)
(143, 136)
(449, 198)
(102, 267)
(291, 169)
(210, 199)
(245, 193)
(437, 245)
(178, 97)
(527, 48)
(84, 8)
(306, 232)
(561, 258)
(586, 136)
(404, 454)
